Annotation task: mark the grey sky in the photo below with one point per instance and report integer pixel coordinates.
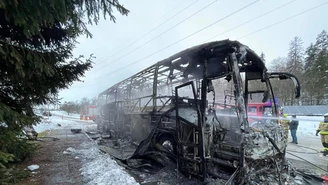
(109, 38)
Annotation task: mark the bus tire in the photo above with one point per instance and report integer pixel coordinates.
(168, 142)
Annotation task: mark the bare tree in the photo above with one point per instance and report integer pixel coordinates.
(295, 56)
(282, 89)
(85, 101)
(296, 62)
(94, 101)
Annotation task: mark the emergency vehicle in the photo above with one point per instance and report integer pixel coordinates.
(88, 112)
(260, 111)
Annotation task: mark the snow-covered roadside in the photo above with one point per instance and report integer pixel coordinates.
(309, 144)
(308, 125)
(63, 113)
(57, 122)
(99, 168)
(306, 131)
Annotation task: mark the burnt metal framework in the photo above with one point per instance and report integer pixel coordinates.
(182, 67)
(200, 143)
(142, 93)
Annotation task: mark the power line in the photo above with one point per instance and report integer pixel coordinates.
(172, 10)
(187, 36)
(250, 20)
(305, 11)
(162, 33)
(212, 24)
(217, 21)
(161, 24)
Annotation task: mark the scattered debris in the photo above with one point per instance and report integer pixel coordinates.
(100, 141)
(55, 139)
(65, 152)
(33, 167)
(70, 150)
(94, 135)
(105, 136)
(75, 131)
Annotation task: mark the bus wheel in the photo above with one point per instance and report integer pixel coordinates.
(168, 142)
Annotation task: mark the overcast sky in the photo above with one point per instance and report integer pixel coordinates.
(110, 40)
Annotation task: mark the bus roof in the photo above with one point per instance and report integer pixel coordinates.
(189, 62)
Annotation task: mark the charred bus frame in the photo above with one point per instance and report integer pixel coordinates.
(198, 144)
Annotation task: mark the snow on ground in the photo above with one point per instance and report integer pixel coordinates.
(63, 113)
(309, 144)
(308, 125)
(99, 168)
(306, 131)
(58, 122)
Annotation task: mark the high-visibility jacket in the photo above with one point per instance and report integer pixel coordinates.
(323, 127)
(285, 124)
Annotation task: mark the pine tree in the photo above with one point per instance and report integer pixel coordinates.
(85, 101)
(316, 70)
(36, 43)
(322, 41)
(309, 84)
(320, 68)
(311, 55)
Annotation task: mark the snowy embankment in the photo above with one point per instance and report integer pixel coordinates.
(308, 125)
(65, 114)
(309, 145)
(99, 168)
(57, 121)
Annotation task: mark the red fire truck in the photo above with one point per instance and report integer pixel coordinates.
(89, 112)
(260, 111)
(256, 111)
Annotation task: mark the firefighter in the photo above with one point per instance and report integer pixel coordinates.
(323, 129)
(285, 124)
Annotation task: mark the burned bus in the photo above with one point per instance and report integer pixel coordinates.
(168, 107)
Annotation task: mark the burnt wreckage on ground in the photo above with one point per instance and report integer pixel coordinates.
(171, 108)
